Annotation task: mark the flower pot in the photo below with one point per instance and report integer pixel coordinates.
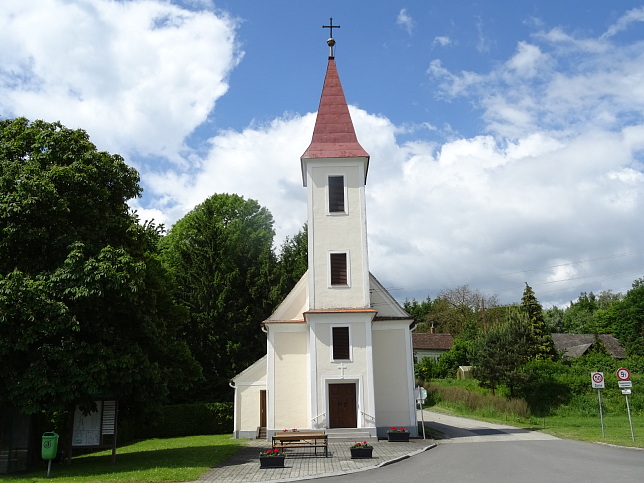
(271, 461)
(396, 437)
(361, 453)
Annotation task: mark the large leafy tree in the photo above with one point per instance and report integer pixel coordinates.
(222, 258)
(85, 305)
(629, 319)
(292, 262)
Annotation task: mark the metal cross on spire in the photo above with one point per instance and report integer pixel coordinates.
(330, 27)
(331, 41)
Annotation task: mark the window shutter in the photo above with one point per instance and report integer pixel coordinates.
(338, 269)
(336, 194)
(341, 343)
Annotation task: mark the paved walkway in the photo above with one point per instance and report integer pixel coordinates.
(302, 464)
(457, 429)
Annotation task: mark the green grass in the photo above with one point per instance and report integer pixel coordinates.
(567, 422)
(171, 459)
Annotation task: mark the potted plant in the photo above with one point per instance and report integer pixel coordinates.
(271, 458)
(361, 450)
(398, 434)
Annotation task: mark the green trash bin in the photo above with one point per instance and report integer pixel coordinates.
(49, 446)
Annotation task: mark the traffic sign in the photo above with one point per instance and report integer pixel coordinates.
(625, 383)
(623, 374)
(597, 379)
(626, 392)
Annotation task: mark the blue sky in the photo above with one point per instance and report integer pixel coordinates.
(506, 137)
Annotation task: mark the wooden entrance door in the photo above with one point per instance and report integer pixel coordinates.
(262, 408)
(342, 406)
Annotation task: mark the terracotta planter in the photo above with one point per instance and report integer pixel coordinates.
(271, 461)
(396, 437)
(361, 453)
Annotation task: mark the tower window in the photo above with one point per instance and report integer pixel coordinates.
(336, 194)
(341, 347)
(338, 263)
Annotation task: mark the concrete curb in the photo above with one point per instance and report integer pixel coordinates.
(403, 457)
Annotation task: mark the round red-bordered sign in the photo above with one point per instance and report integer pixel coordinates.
(623, 374)
(597, 377)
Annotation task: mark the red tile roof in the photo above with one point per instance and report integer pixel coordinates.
(333, 135)
(428, 341)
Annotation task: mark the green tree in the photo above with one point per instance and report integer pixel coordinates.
(578, 316)
(544, 385)
(85, 305)
(292, 263)
(629, 325)
(222, 259)
(544, 347)
(500, 353)
(553, 317)
(421, 313)
(57, 189)
(457, 311)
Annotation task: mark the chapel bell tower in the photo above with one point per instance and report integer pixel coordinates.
(334, 171)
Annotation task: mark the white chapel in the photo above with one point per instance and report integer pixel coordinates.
(339, 347)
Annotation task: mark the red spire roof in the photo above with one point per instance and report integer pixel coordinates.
(333, 135)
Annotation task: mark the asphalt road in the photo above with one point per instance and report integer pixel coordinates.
(482, 452)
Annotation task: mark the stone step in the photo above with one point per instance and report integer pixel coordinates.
(354, 434)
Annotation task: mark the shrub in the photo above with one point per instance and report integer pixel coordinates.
(186, 420)
(474, 400)
(544, 386)
(196, 419)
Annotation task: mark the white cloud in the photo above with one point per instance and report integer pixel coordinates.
(260, 162)
(115, 68)
(528, 62)
(405, 21)
(634, 15)
(442, 40)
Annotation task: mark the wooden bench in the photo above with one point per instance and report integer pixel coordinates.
(302, 439)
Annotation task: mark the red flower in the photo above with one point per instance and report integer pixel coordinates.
(393, 428)
(402, 429)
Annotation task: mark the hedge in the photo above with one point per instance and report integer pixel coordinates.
(183, 420)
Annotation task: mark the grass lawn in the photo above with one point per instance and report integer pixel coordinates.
(172, 459)
(578, 427)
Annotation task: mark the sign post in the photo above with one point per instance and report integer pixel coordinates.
(421, 395)
(624, 382)
(597, 380)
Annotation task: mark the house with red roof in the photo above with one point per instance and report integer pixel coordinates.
(426, 344)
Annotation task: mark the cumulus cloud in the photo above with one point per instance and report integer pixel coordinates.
(140, 75)
(260, 162)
